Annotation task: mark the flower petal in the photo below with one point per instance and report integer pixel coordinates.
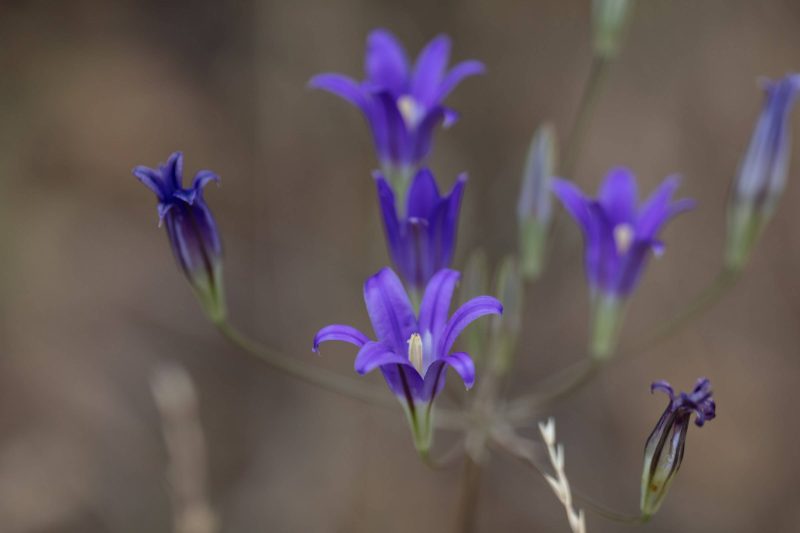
(153, 180)
(343, 87)
(436, 303)
(423, 195)
(429, 69)
(375, 354)
(464, 315)
(423, 133)
(618, 196)
(445, 238)
(390, 310)
(435, 376)
(173, 171)
(659, 209)
(456, 75)
(386, 62)
(339, 332)
(574, 202)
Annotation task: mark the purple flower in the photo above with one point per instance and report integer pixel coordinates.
(421, 238)
(762, 174)
(401, 104)
(663, 452)
(413, 352)
(190, 227)
(618, 233)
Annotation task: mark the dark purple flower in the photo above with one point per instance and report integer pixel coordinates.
(402, 104)
(413, 352)
(619, 235)
(190, 227)
(663, 452)
(421, 238)
(762, 174)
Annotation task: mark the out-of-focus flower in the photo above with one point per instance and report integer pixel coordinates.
(663, 452)
(422, 237)
(402, 104)
(619, 236)
(413, 353)
(191, 229)
(762, 174)
(609, 21)
(535, 205)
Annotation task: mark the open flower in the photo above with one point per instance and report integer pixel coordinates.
(413, 352)
(663, 452)
(190, 227)
(401, 104)
(762, 174)
(422, 237)
(619, 236)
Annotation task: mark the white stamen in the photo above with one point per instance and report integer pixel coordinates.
(410, 110)
(623, 237)
(415, 351)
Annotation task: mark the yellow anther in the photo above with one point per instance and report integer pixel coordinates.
(415, 351)
(623, 237)
(409, 109)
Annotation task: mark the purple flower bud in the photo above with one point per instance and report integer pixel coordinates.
(762, 174)
(663, 452)
(402, 104)
(191, 229)
(413, 351)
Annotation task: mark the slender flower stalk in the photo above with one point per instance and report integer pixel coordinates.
(413, 351)
(191, 229)
(663, 452)
(763, 171)
(535, 205)
(402, 104)
(422, 237)
(619, 237)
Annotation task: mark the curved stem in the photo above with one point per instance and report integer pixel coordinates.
(704, 301)
(329, 381)
(297, 369)
(588, 103)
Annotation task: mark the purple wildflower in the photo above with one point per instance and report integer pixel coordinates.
(663, 452)
(421, 238)
(762, 174)
(413, 352)
(619, 234)
(401, 104)
(190, 227)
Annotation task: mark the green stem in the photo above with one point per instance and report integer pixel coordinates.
(586, 107)
(703, 302)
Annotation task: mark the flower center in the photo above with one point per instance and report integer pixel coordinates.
(410, 110)
(623, 237)
(415, 351)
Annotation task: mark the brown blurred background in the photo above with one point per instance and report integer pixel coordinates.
(92, 302)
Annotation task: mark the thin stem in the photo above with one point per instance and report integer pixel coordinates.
(588, 103)
(556, 387)
(470, 490)
(704, 301)
(329, 381)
